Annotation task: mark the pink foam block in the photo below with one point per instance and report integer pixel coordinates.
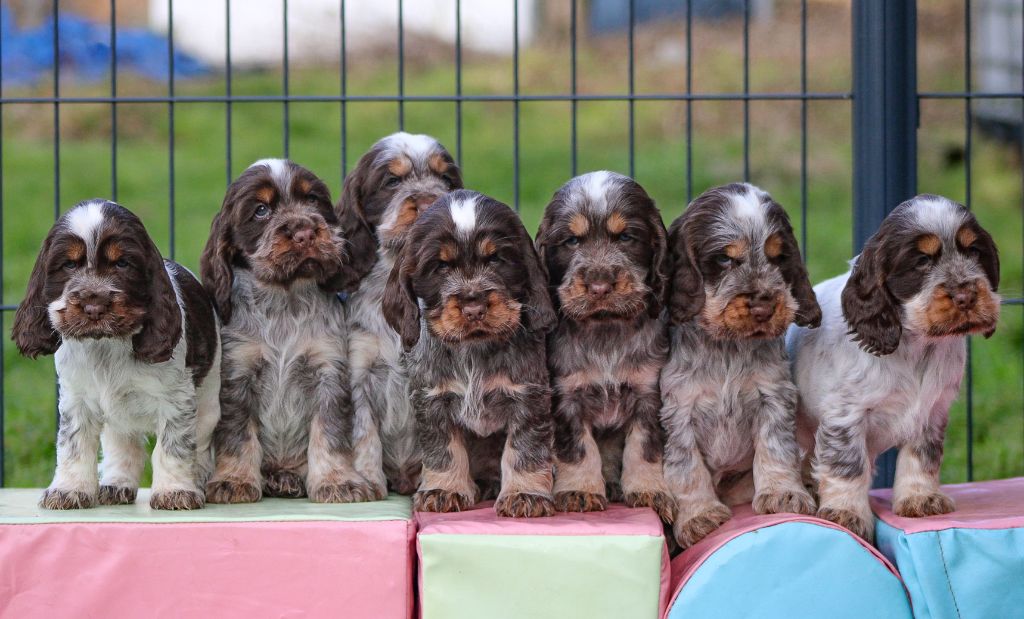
(980, 505)
(208, 569)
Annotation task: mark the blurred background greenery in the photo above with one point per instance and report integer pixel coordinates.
(200, 172)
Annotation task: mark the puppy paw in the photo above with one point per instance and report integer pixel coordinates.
(785, 501)
(523, 505)
(661, 502)
(438, 500)
(55, 498)
(921, 505)
(346, 492)
(575, 501)
(176, 500)
(690, 530)
(228, 491)
(116, 495)
(861, 526)
(284, 484)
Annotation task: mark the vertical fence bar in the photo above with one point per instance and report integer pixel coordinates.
(574, 87)
(401, 67)
(746, 90)
(286, 107)
(803, 129)
(344, 95)
(113, 103)
(56, 161)
(632, 88)
(227, 90)
(458, 81)
(968, 151)
(689, 101)
(884, 126)
(515, 104)
(170, 125)
(3, 331)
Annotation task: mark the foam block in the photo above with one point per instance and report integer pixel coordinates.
(603, 564)
(967, 564)
(784, 566)
(275, 558)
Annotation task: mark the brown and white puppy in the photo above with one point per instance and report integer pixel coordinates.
(137, 351)
(394, 181)
(729, 400)
(887, 362)
(273, 263)
(603, 243)
(469, 298)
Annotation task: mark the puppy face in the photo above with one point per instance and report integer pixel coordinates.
(277, 221)
(395, 181)
(737, 266)
(603, 243)
(99, 275)
(931, 270)
(469, 265)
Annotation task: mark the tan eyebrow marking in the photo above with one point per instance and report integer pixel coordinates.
(578, 224)
(113, 251)
(773, 246)
(448, 252)
(487, 247)
(616, 223)
(966, 236)
(400, 165)
(929, 244)
(305, 185)
(736, 249)
(76, 249)
(437, 163)
(265, 194)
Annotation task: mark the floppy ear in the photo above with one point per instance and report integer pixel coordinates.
(401, 309)
(871, 311)
(32, 331)
(539, 310)
(161, 328)
(657, 273)
(215, 265)
(540, 244)
(686, 295)
(789, 261)
(988, 255)
(361, 237)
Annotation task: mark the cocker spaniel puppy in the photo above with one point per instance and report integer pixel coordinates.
(887, 362)
(469, 298)
(392, 184)
(137, 351)
(273, 263)
(603, 243)
(729, 401)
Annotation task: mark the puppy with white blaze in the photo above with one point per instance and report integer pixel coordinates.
(729, 403)
(887, 362)
(274, 263)
(396, 180)
(135, 342)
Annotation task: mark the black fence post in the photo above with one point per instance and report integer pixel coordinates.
(885, 118)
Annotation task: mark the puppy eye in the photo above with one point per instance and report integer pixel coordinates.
(442, 266)
(572, 241)
(392, 181)
(625, 237)
(450, 180)
(493, 259)
(70, 265)
(723, 260)
(121, 263)
(262, 211)
(923, 261)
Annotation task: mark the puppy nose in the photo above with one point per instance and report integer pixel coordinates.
(93, 305)
(424, 200)
(303, 237)
(762, 309)
(599, 289)
(474, 310)
(965, 297)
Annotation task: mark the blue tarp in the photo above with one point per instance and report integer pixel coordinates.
(84, 46)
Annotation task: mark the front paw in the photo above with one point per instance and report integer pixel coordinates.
(176, 500)
(861, 526)
(921, 505)
(116, 495)
(692, 529)
(661, 502)
(346, 492)
(284, 485)
(796, 501)
(577, 501)
(443, 501)
(56, 498)
(228, 491)
(524, 505)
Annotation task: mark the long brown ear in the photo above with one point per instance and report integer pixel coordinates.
(355, 228)
(988, 255)
(401, 309)
(541, 243)
(32, 331)
(215, 265)
(871, 311)
(161, 328)
(539, 311)
(808, 313)
(686, 294)
(657, 273)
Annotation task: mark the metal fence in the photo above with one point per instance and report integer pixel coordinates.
(884, 99)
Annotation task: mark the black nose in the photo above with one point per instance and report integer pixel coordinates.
(762, 308)
(965, 297)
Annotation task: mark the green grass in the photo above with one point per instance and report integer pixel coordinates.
(201, 175)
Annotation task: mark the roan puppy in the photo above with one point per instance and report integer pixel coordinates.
(729, 401)
(137, 351)
(273, 264)
(603, 243)
(469, 298)
(887, 362)
(399, 177)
